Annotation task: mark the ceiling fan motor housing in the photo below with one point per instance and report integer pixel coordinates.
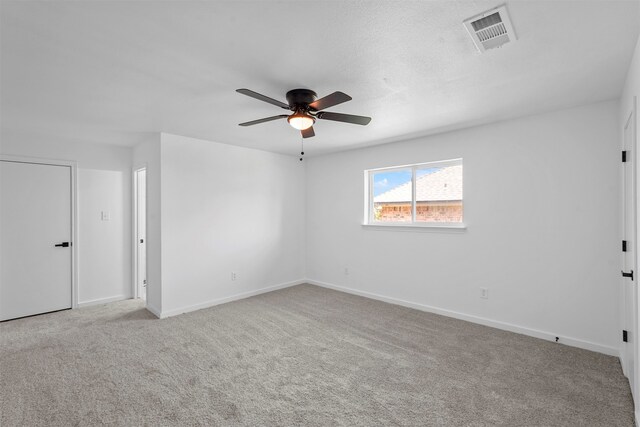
(300, 99)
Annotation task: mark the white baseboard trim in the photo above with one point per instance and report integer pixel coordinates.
(573, 342)
(153, 310)
(211, 303)
(103, 300)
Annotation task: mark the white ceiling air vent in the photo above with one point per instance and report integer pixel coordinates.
(491, 29)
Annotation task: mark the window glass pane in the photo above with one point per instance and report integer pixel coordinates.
(439, 193)
(392, 194)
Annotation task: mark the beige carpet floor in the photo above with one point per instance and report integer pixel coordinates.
(299, 356)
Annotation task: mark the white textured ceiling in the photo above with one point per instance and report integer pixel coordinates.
(113, 72)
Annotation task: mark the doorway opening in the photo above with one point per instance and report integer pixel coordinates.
(140, 232)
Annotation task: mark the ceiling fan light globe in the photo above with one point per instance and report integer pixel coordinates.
(300, 121)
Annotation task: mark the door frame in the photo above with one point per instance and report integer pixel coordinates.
(631, 119)
(73, 165)
(134, 227)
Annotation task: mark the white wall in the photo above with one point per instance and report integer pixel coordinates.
(104, 183)
(227, 209)
(147, 154)
(103, 245)
(542, 205)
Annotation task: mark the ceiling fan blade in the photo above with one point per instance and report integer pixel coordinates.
(266, 119)
(308, 133)
(264, 98)
(329, 101)
(346, 118)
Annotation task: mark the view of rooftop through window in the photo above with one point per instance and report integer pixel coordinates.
(386, 182)
(437, 196)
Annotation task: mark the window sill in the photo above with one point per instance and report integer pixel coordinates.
(453, 228)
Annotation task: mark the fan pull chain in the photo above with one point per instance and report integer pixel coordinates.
(301, 148)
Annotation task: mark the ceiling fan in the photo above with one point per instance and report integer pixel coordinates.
(306, 109)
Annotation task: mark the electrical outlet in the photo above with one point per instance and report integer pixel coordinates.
(484, 293)
(233, 276)
(105, 216)
(346, 271)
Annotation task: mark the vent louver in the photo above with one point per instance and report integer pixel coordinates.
(490, 29)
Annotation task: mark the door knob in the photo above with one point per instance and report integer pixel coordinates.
(62, 245)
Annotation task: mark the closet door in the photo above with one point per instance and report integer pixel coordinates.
(35, 236)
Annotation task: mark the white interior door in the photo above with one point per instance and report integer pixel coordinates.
(629, 287)
(35, 216)
(141, 227)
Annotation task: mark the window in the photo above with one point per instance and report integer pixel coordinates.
(421, 194)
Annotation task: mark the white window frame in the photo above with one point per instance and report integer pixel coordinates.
(369, 218)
